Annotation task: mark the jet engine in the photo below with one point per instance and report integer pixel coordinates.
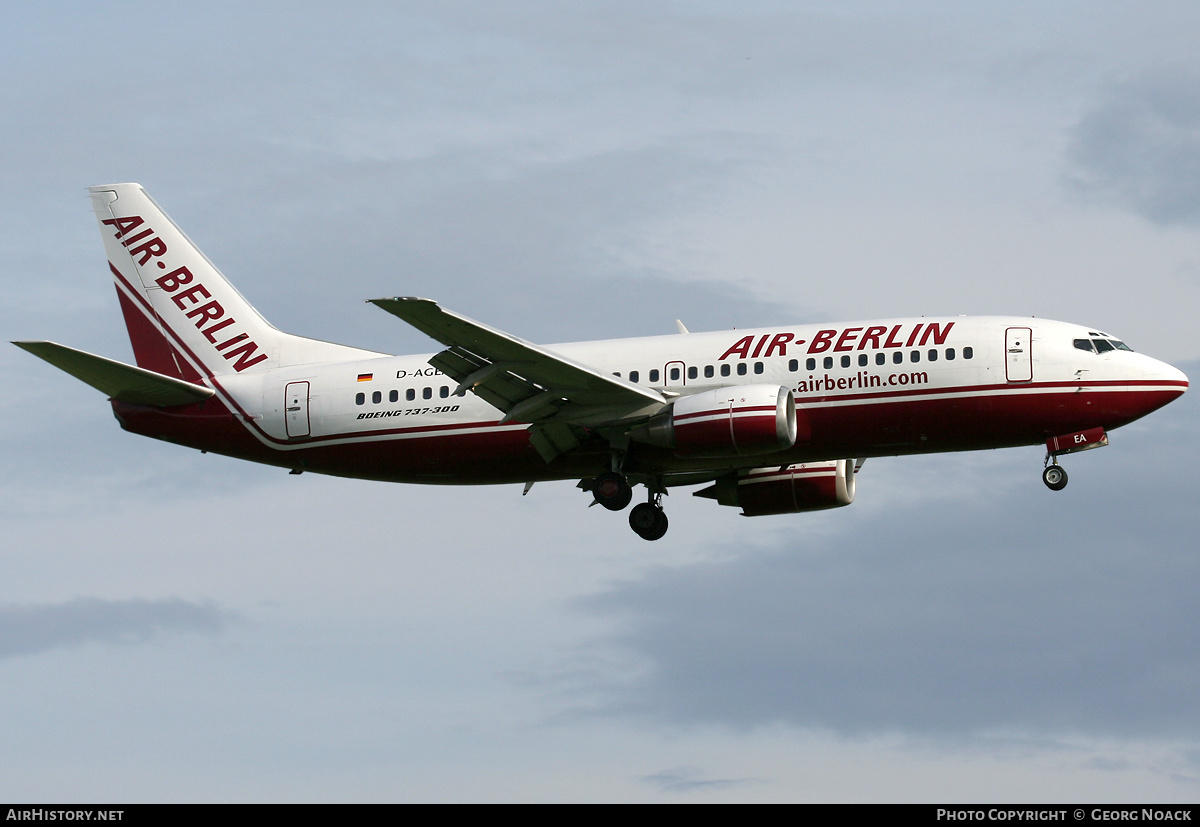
(810, 486)
(735, 421)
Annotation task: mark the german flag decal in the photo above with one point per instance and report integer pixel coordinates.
(365, 377)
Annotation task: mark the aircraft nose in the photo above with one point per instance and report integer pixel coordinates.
(1163, 383)
(1168, 375)
(1159, 384)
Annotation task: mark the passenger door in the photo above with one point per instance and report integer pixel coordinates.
(1018, 357)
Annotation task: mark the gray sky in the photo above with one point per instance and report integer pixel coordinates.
(184, 627)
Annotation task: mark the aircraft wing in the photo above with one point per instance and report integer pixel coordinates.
(122, 382)
(527, 382)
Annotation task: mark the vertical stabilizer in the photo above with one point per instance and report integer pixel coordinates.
(185, 319)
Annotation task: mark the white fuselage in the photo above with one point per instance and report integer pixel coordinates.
(945, 374)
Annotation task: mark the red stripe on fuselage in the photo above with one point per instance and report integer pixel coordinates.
(498, 455)
(808, 400)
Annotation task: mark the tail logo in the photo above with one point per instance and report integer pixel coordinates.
(208, 316)
(148, 249)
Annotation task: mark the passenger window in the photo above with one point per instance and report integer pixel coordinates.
(654, 375)
(377, 397)
(932, 355)
(360, 398)
(633, 375)
(674, 374)
(862, 360)
(828, 362)
(410, 394)
(880, 358)
(950, 354)
(968, 352)
(692, 373)
(810, 364)
(915, 356)
(897, 357)
(758, 367)
(793, 365)
(393, 396)
(845, 361)
(724, 370)
(427, 393)
(708, 371)
(741, 368)
(444, 392)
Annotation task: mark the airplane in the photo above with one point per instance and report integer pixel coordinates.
(772, 421)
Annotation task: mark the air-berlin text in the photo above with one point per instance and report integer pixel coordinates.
(146, 245)
(877, 337)
(205, 312)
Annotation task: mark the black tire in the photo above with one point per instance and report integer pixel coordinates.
(1055, 477)
(612, 490)
(660, 527)
(648, 521)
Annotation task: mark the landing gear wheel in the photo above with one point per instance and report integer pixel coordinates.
(1055, 477)
(612, 490)
(648, 521)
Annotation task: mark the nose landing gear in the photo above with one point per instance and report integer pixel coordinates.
(1055, 477)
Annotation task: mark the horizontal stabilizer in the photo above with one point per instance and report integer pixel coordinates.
(120, 381)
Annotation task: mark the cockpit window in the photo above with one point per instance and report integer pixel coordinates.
(1100, 344)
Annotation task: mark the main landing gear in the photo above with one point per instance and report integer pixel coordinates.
(648, 520)
(612, 490)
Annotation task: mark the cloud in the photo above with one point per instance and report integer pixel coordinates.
(557, 233)
(33, 629)
(1140, 147)
(687, 779)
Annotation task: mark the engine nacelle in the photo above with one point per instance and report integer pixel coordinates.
(810, 486)
(737, 421)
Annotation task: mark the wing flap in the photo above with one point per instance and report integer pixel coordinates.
(493, 382)
(122, 382)
(554, 439)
